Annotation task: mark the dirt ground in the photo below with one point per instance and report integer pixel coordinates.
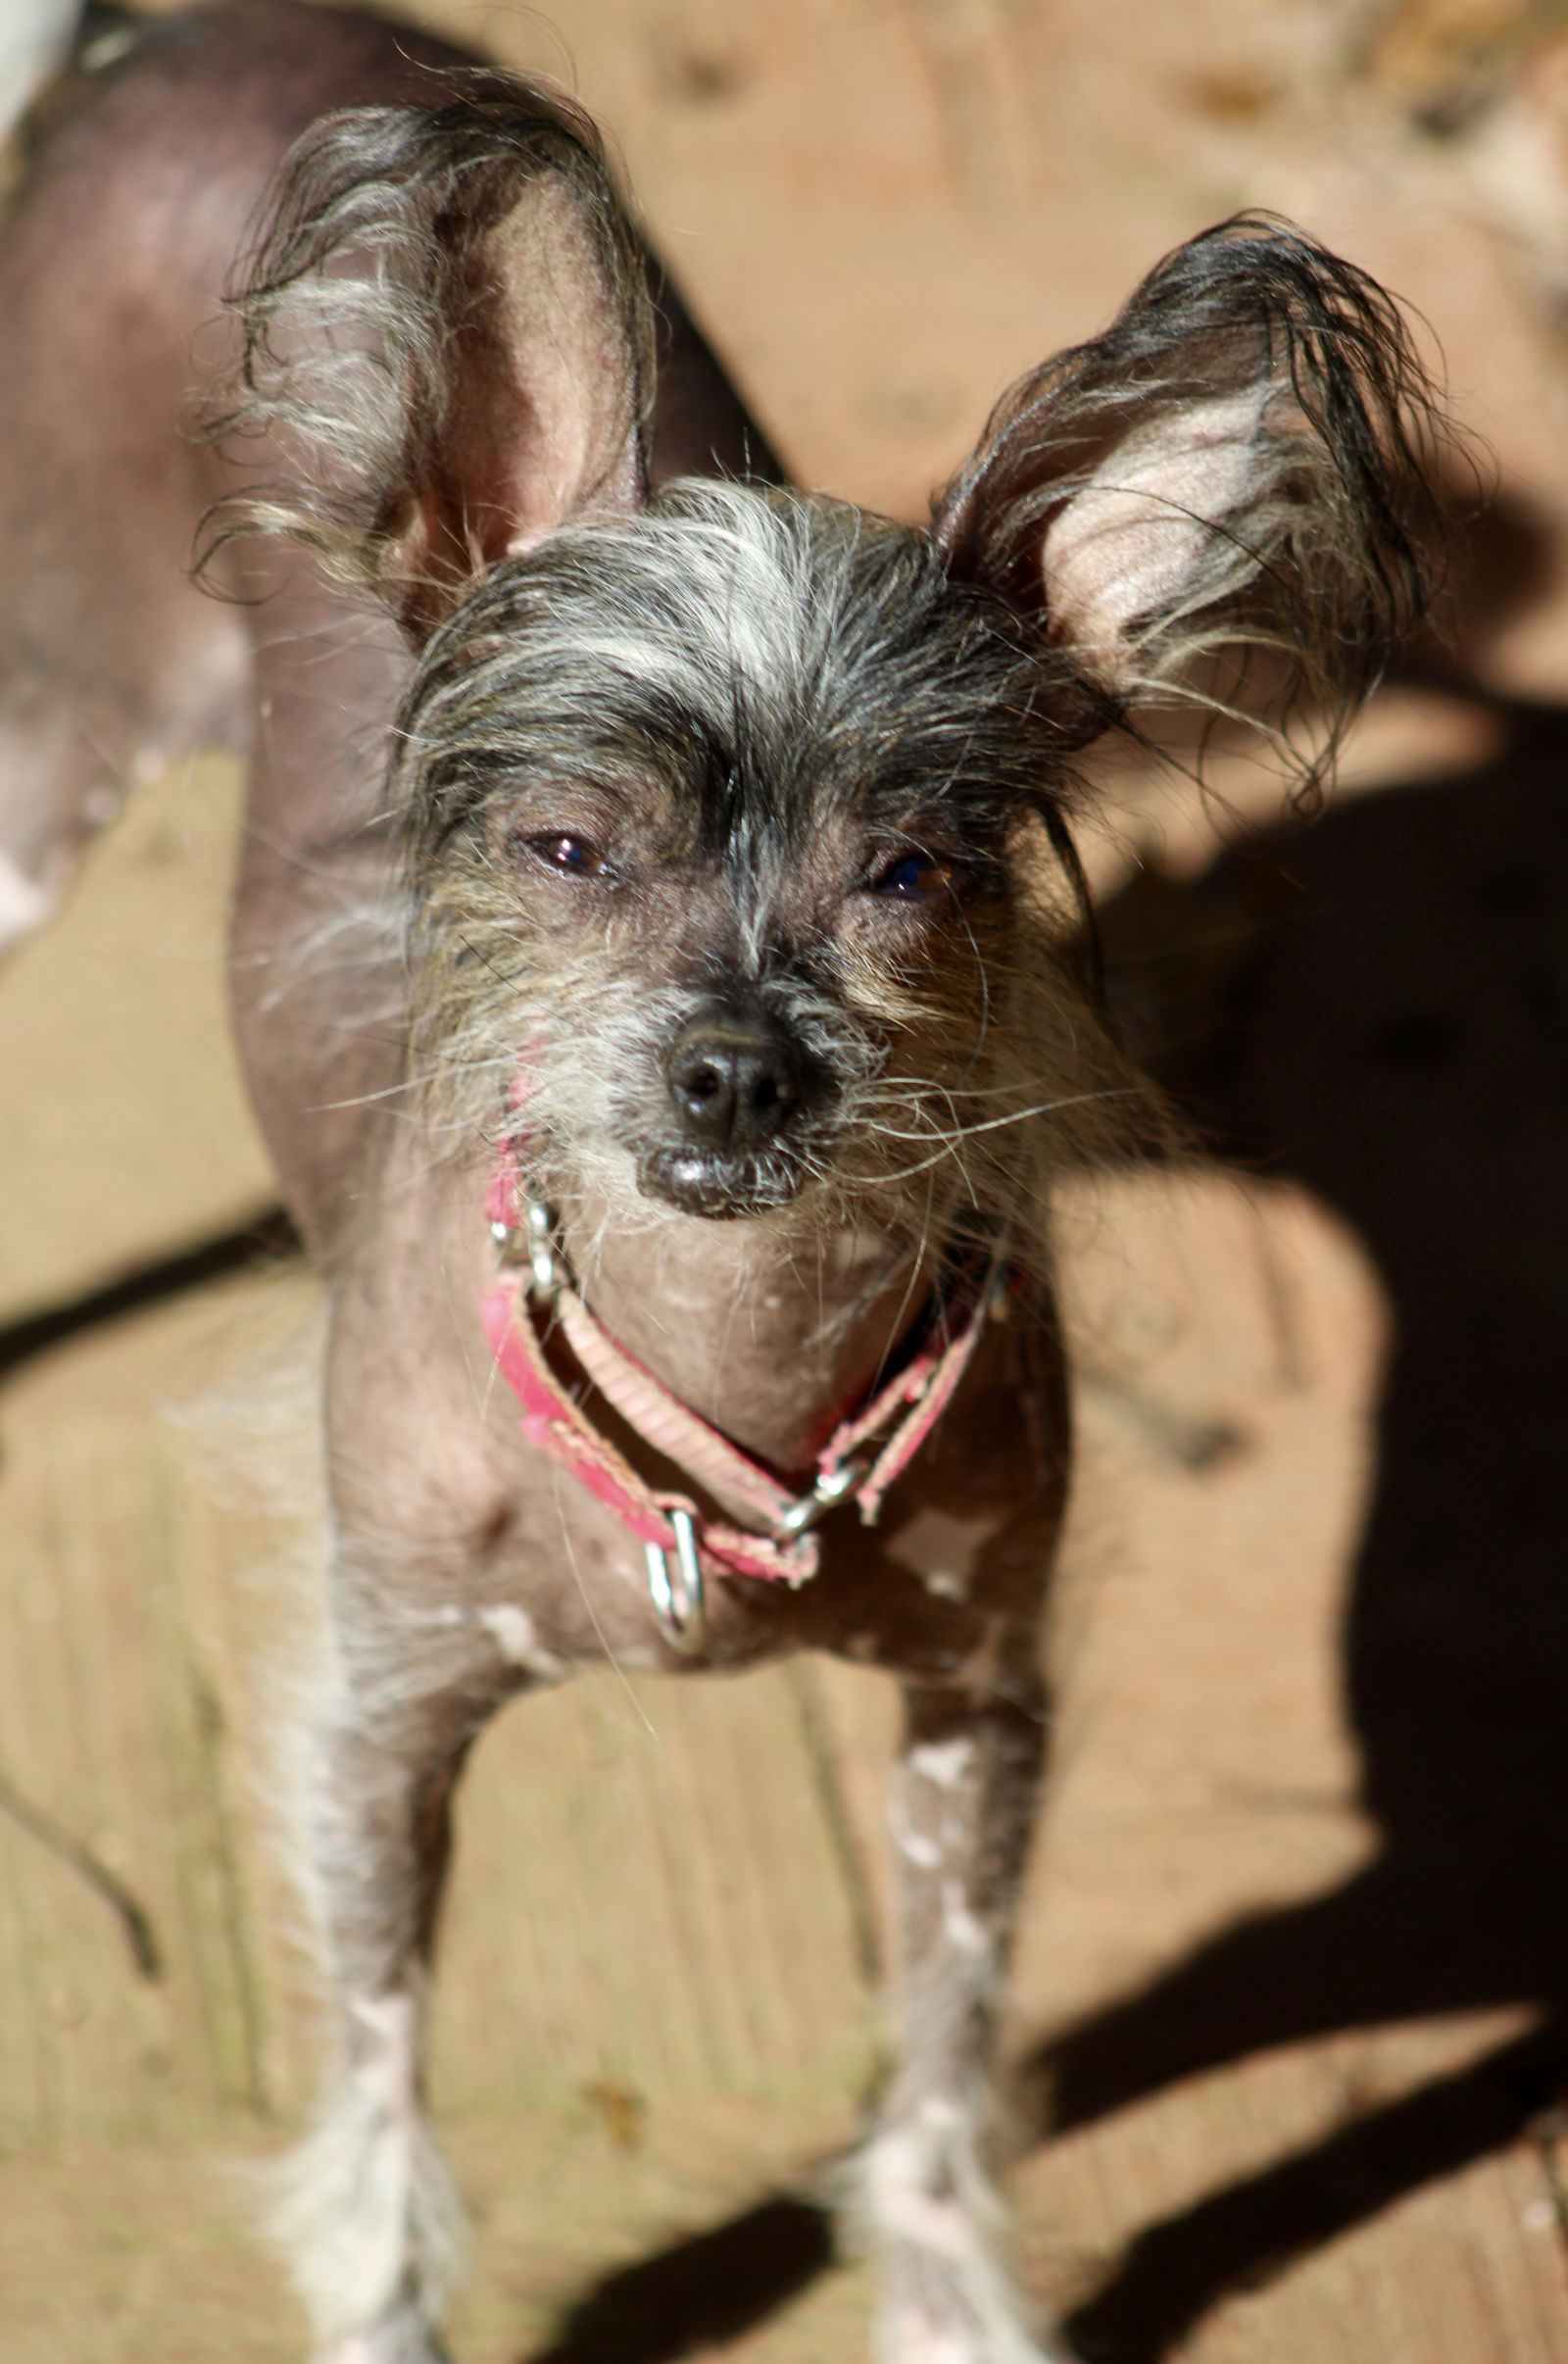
(1291, 2014)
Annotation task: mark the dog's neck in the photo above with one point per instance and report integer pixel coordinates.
(768, 1327)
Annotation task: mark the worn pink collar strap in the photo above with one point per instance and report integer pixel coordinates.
(768, 1538)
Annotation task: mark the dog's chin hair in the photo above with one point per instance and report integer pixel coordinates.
(601, 1175)
(982, 1105)
(595, 1184)
(1055, 1100)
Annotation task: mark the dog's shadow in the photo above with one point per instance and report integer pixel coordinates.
(266, 1240)
(710, 2286)
(1393, 1031)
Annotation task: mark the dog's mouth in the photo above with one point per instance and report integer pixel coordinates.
(705, 1182)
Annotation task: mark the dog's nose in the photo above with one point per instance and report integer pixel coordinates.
(736, 1080)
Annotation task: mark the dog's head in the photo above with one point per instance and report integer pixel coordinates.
(725, 813)
(739, 818)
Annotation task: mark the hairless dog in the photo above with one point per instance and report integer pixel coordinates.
(657, 950)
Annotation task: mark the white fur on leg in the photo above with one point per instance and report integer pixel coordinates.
(401, 2338)
(922, 2200)
(369, 2218)
(24, 904)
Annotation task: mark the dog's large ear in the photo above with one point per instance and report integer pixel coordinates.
(1240, 457)
(445, 341)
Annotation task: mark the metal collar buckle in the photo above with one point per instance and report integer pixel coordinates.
(535, 1239)
(831, 1488)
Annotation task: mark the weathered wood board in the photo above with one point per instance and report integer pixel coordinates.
(655, 2015)
(656, 2007)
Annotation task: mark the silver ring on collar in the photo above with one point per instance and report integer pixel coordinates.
(677, 1591)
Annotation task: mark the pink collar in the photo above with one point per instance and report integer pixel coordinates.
(533, 1307)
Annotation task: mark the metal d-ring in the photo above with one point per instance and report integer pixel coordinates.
(679, 1601)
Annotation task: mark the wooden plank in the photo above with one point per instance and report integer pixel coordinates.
(112, 1729)
(646, 1900)
(124, 1128)
(653, 2005)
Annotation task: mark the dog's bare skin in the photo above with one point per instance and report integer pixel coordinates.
(803, 829)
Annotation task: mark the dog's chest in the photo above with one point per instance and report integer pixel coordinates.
(960, 1552)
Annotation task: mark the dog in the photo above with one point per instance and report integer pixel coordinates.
(657, 950)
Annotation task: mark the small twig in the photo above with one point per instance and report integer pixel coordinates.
(76, 1857)
(1195, 1445)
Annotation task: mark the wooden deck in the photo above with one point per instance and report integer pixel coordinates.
(1293, 1966)
(656, 2011)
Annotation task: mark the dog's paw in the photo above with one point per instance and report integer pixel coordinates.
(937, 2309)
(401, 2338)
(914, 2341)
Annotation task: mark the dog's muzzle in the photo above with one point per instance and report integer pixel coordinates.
(736, 1086)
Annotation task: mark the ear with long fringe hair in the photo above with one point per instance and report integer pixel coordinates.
(1240, 459)
(445, 345)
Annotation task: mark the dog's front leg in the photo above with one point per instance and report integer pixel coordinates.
(368, 2217)
(963, 1805)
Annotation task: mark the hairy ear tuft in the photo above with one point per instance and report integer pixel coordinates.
(1242, 458)
(445, 345)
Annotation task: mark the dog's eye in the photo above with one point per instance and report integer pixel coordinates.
(913, 878)
(579, 857)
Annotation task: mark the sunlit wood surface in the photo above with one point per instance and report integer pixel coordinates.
(657, 2018)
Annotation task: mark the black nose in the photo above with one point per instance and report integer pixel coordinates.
(735, 1080)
